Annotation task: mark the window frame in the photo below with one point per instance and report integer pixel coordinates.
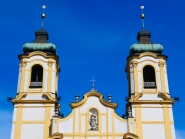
(150, 82)
(36, 82)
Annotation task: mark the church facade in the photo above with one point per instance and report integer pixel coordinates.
(37, 110)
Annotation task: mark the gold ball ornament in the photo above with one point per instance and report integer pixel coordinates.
(142, 16)
(43, 15)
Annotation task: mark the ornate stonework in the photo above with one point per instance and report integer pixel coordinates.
(161, 64)
(50, 63)
(93, 120)
(136, 96)
(135, 63)
(23, 64)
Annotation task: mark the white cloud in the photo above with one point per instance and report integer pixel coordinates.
(180, 134)
(6, 123)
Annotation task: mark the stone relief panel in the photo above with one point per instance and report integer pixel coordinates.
(93, 120)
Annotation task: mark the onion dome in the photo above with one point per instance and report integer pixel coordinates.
(41, 41)
(144, 43)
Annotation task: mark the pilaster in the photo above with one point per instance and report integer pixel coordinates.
(23, 72)
(139, 130)
(161, 65)
(167, 123)
(135, 64)
(47, 120)
(18, 122)
(130, 123)
(50, 63)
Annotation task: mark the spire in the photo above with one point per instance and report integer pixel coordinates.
(42, 35)
(41, 41)
(142, 17)
(93, 88)
(43, 15)
(144, 43)
(143, 36)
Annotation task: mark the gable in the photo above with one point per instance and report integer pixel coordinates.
(93, 102)
(95, 94)
(81, 121)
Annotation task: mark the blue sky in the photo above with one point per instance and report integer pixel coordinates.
(93, 39)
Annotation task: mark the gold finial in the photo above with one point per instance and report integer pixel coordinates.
(142, 16)
(43, 15)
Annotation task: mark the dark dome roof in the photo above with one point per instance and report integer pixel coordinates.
(40, 43)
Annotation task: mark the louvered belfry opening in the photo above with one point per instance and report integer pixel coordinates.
(36, 76)
(149, 77)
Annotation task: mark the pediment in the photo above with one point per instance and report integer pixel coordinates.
(91, 94)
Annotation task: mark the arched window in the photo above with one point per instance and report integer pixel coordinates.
(36, 76)
(149, 77)
(93, 120)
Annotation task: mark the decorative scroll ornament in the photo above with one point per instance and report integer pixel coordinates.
(135, 64)
(23, 63)
(50, 63)
(93, 122)
(161, 64)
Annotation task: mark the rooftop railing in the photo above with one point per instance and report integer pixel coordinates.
(36, 84)
(149, 85)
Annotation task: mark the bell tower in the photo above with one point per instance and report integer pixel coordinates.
(148, 94)
(37, 88)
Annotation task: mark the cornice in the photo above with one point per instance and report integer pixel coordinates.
(21, 95)
(140, 55)
(148, 54)
(38, 53)
(96, 94)
(165, 97)
(34, 101)
(151, 101)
